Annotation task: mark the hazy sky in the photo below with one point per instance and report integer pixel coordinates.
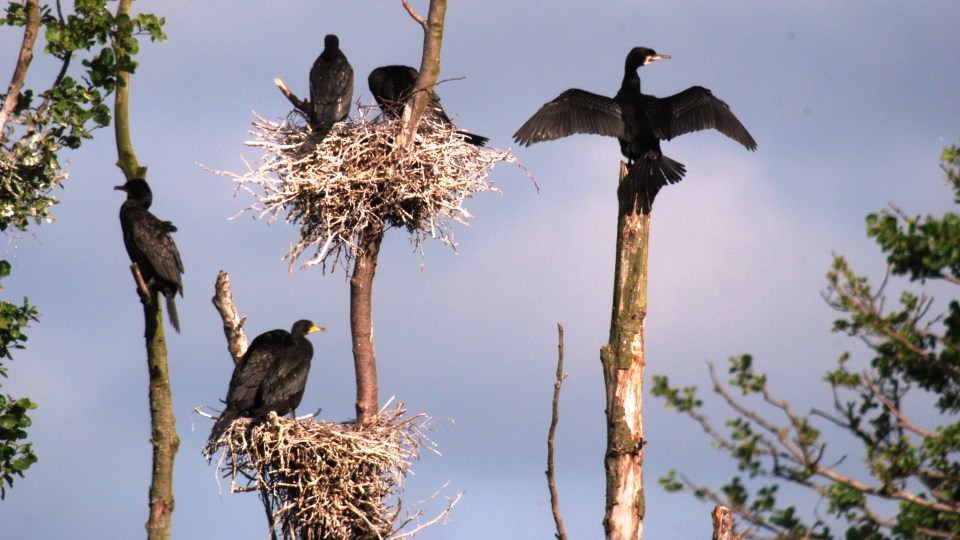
(850, 103)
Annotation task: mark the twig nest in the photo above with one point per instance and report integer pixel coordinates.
(325, 480)
(355, 177)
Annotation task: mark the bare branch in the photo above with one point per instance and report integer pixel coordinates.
(903, 421)
(232, 322)
(414, 14)
(299, 104)
(561, 534)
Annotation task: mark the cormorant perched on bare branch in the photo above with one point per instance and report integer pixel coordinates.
(271, 376)
(149, 244)
(331, 85)
(638, 120)
(391, 86)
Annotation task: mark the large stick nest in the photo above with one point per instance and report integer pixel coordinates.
(322, 480)
(356, 178)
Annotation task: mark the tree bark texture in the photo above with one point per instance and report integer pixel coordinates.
(361, 322)
(429, 68)
(623, 364)
(561, 533)
(162, 422)
(30, 31)
(232, 321)
(723, 523)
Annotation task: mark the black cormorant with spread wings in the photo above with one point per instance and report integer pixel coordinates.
(391, 86)
(149, 244)
(331, 85)
(271, 376)
(638, 120)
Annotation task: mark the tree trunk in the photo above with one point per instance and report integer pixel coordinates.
(429, 68)
(623, 363)
(162, 422)
(361, 322)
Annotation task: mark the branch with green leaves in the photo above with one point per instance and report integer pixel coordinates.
(35, 125)
(911, 457)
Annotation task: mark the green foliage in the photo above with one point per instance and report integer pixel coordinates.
(40, 126)
(15, 454)
(912, 352)
(65, 114)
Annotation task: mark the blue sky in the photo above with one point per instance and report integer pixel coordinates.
(850, 104)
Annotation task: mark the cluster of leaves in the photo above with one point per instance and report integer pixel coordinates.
(907, 462)
(15, 454)
(43, 123)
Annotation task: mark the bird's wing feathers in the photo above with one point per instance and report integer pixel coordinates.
(331, 88)
(245, 383)
(152, 238)
(694, 109)
(574, 111)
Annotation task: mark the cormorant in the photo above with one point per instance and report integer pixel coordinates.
(271, 376)
(391, 86)
(149, 244)
(638, 120)
(331, 85)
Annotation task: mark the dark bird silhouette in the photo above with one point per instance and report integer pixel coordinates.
(331, 85)
(391, 86)
(149, 244)
(271, 376)
(638, 120)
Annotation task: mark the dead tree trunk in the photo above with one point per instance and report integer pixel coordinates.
(623, 363)
(361, 322)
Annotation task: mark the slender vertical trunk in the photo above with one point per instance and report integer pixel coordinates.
(361, 322)
(429, 69)
(163, 433)
(623, 363)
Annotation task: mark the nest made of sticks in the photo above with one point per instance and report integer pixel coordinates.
(325, 480)
(354, 177)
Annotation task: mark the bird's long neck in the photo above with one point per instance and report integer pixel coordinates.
(631, 79)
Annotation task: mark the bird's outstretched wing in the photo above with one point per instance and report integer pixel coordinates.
(574, 111)
(152, 237)
(694, 109)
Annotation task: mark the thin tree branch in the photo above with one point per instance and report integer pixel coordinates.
(30, 31)
(561, 534)
(232, 321)
(414, 14)
(302, 106)
(907, 424)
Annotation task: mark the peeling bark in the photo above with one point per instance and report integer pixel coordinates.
(623, 363)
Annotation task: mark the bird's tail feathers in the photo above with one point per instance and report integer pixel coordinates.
(473, 138)
(647, 175)
(172, 311)
(220, 426)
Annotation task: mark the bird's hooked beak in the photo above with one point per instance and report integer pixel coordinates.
(653, 57)
(120, 188)
(316, 328)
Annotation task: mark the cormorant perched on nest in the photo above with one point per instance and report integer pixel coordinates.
(271, 376)
(331, 85)
(638, 120)
(149, 244)
(391, 86)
